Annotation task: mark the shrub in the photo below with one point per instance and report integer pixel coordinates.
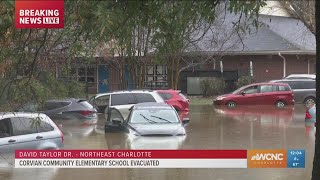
(244, 80)
(212, 86)
(37, 89)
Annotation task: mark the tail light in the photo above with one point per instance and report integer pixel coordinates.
(308, 115)
(86, 113)
(62, 136)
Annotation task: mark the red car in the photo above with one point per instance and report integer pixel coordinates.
(176, 99)
(278, 94)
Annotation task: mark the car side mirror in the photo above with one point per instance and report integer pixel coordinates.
(185, 121)
(243, 93)
(117, 121)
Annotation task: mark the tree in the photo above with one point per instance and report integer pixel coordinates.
(135, 30)
(163, 30)
(316, 160)
(303, 10)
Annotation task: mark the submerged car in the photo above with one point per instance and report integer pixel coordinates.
(123, 100)
(176, 99)
(278, 94)
(28, 131)
(63, 109)
(304, 90)
(147, 119)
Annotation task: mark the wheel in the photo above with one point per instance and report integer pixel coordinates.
(280, 104)
(231, 104)
(309, 100)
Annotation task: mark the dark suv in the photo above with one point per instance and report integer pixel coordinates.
(304, 90)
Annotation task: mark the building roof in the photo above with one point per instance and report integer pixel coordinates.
(275, 34)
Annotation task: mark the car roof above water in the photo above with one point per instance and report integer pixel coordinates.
(152, 105)
(21, 114)
(126, 91)
(291, 80)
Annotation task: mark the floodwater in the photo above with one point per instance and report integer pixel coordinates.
(209, 128)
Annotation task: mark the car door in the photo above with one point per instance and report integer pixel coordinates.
(24, 133)
(6, 150)
(249, 96)
(266, 95)
(47, 137)
(101, 103)
(123, 102)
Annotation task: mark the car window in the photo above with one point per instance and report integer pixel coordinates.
(165, 96)
(302, 84)
(143, 97)
(113, 114)
(284, 88)
(251, 90)
(51, 105)
(266, 88)
(5, 128)
(102, 100)
(309, 84)
(22, 126)
(44, 127)
(122, 99)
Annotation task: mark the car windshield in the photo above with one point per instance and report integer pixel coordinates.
(154, 116)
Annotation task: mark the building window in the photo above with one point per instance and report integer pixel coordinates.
(80, 73)
(156, 77)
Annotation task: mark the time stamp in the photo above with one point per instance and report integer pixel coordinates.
(296, 158)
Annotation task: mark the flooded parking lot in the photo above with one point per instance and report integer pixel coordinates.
(209, 128)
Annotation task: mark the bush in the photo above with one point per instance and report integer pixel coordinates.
(244, 80)
(212, 86)
(46, 86)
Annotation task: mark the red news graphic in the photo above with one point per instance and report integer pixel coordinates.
(131, 159)
(39, 14)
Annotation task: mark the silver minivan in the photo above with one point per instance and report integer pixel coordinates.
(28, 131)
(304, 90)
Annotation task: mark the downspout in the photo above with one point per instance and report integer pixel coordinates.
(284, 65)
(308, 66)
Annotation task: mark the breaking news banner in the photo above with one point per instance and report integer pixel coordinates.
(39, 14)
(159, 158)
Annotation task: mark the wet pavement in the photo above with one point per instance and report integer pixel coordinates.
(209, 128)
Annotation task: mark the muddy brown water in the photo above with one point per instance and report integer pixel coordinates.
(209, 128)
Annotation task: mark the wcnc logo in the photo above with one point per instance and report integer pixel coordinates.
(267, 159)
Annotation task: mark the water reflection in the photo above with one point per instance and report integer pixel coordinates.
(265, 115)
(209, 128)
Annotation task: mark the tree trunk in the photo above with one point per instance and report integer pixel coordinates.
(172, 73)
(177, 74)
(316, 160)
